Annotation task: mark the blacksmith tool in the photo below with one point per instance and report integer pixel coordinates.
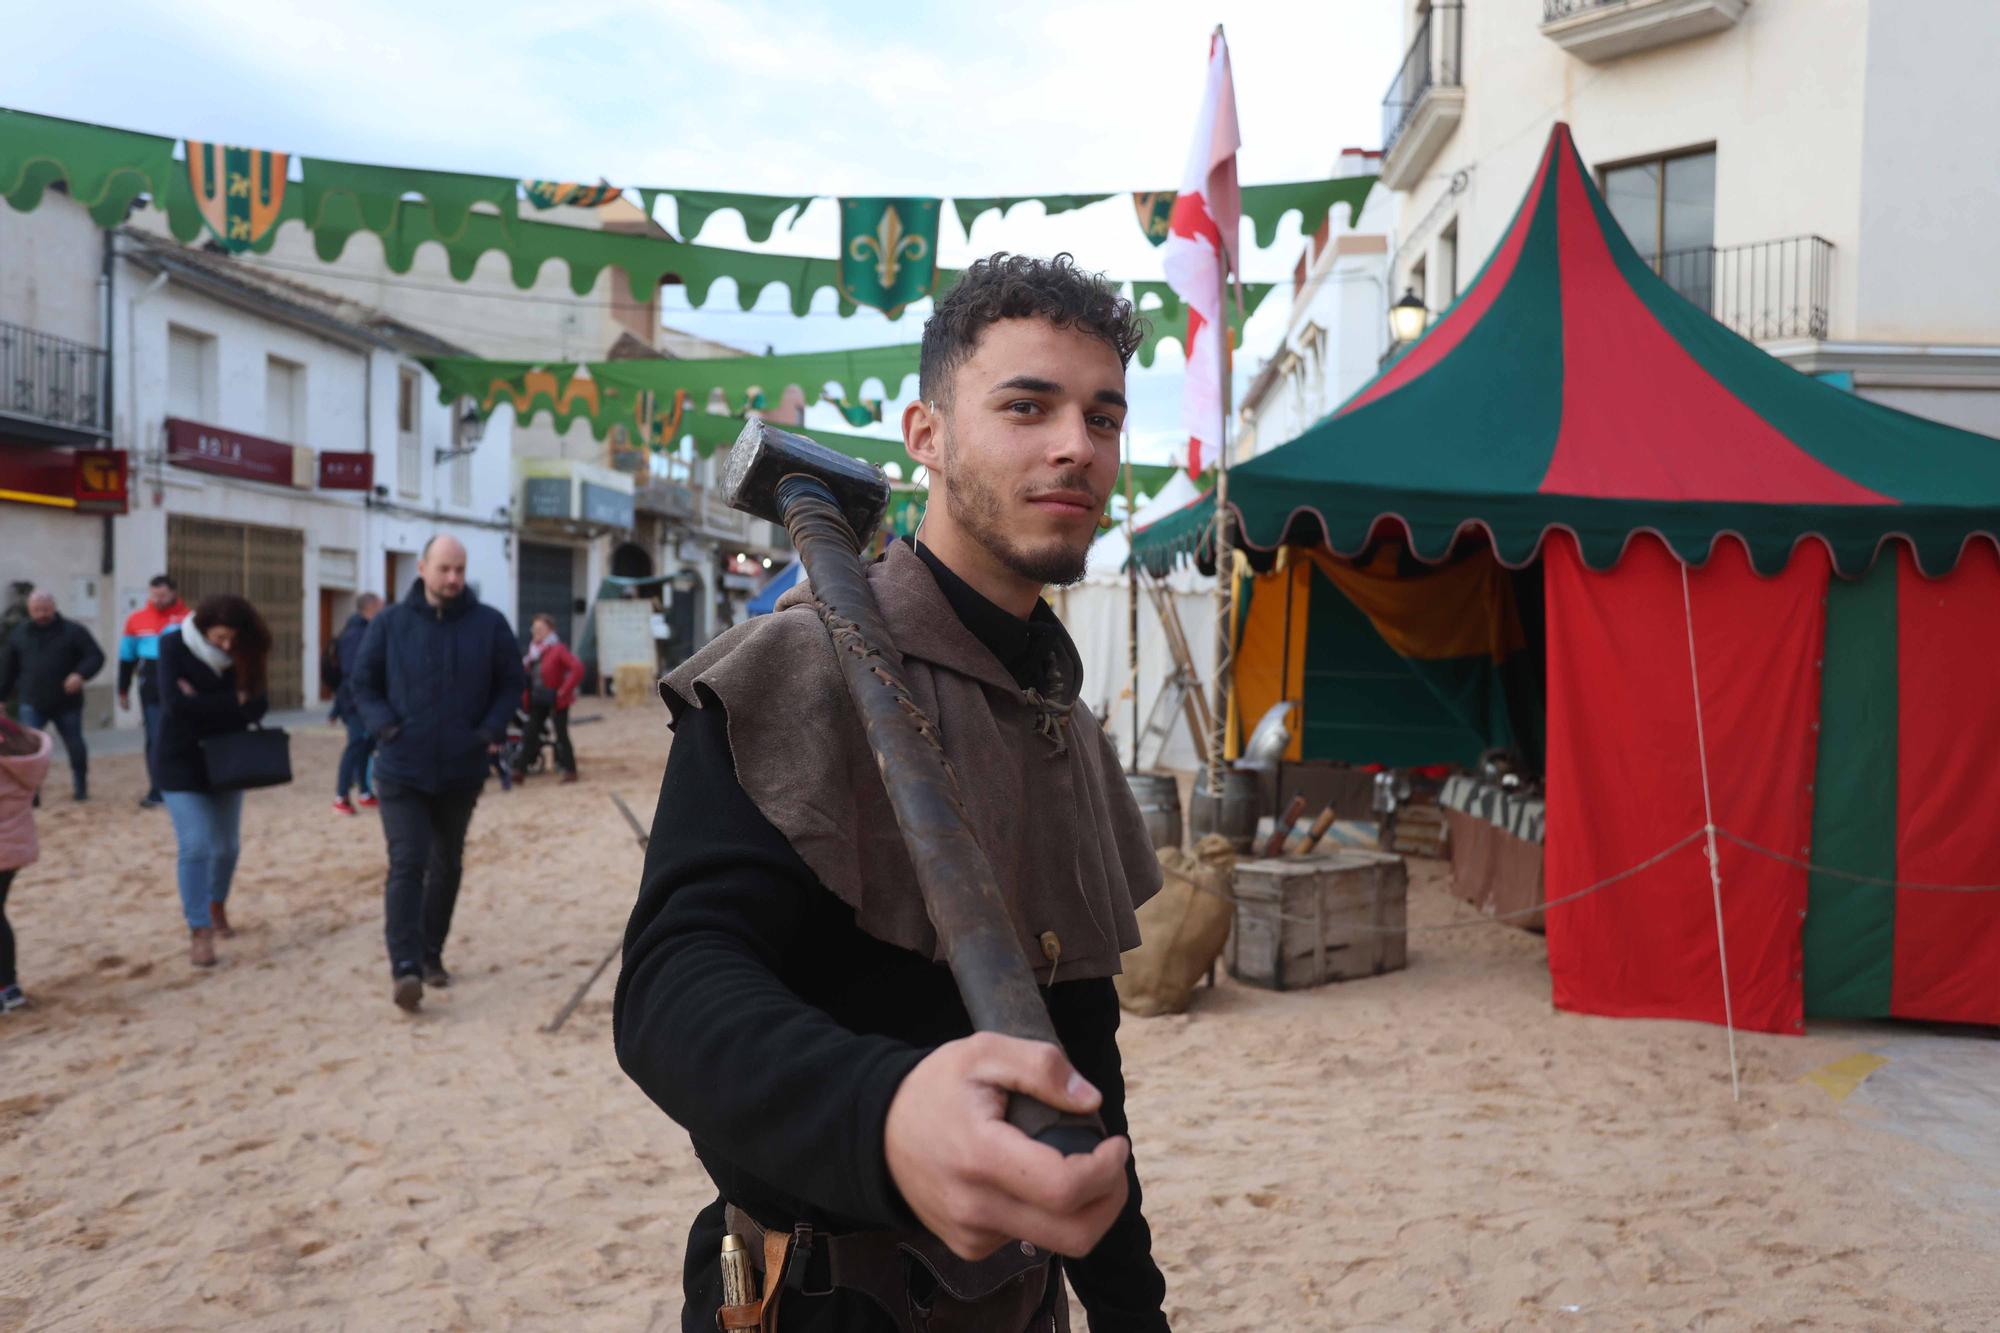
(831, 505)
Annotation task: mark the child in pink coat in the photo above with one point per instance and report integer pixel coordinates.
(24, 762)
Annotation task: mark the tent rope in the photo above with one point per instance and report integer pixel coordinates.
(1708, 828)
(1501, 918)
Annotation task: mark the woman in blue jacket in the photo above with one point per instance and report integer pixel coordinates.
(212, 682)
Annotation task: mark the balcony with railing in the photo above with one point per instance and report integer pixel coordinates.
(51, 389)
(1765, 290)
(1597, 30)
(1426, 99)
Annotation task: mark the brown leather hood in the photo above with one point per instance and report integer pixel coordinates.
(1042, 786)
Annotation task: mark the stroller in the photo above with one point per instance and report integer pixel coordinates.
(515, 748)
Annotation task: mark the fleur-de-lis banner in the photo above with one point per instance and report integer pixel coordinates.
(888, 251)
(1154, 208)
(551, 194)
(239, 191)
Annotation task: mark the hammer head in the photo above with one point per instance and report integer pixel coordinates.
(764, 455)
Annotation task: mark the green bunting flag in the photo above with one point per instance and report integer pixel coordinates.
(888, 252)
(240, 191)
(553, 194)
(1154, 208)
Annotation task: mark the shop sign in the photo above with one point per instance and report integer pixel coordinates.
(94, 480)
(603, 505)
(346, 471)
(231, 453)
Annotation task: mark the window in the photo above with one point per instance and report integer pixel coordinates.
(409, 438)
(190, 374)
(1666, 206)
(463, 442)
(284, 399)
(1447, 258)
(1420, 284)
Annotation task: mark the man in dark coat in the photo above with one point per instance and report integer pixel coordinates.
(353, 771)
(437, 678)
(50, 658)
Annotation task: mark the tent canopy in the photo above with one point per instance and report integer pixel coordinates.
(1571, 388)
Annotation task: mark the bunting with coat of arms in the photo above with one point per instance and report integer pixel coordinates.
(240, 192)
(1154, 208)
(888, 251)
(557, 194)
(859, 412)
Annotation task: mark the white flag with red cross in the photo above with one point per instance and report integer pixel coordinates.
(1201, 252)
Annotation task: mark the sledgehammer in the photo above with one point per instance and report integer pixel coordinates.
(832, 504)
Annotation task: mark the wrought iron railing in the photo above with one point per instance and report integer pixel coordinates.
(52, 380)
(1431, 62)
(1764, 290)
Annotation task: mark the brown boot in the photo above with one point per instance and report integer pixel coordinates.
(219, 918)
(201, 946)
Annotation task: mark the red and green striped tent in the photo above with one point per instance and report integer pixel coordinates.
(1825, 566)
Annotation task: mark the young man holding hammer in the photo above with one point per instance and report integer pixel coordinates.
(783, 995)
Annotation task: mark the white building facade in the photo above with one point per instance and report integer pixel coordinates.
(1813, 172)
(1337, 330)
(275, 441)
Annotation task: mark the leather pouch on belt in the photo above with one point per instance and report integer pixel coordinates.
(926, 1287)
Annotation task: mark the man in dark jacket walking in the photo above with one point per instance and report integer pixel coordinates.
(436, 681)
(360, 742)
(50, 658)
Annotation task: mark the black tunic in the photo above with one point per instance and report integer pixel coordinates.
(756, 1013)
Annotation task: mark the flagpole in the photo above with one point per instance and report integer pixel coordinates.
(1132, 597)
(1225, 562)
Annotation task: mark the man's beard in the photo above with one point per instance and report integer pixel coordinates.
(975, 506)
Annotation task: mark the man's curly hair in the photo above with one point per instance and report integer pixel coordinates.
(1004, 286)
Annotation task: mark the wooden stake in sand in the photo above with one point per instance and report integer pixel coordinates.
(562, 1014)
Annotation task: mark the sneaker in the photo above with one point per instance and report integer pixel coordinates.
(341, 806)
(150, 802)
(366, 802)
(569, 775)
(435, 975)
(409, 992)
(12, 999)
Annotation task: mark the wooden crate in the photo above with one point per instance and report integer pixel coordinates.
(1307, 920)
(1418, 830)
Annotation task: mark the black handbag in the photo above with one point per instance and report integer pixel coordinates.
(242, 760)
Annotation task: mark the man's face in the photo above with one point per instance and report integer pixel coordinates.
(161, 596)
(443, 570)
(1030, 445)
(41, 608)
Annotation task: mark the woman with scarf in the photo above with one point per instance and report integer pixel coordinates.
(24, 762)
(554, 676)
(212, 682)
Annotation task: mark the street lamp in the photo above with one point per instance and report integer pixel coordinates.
(1408, 316)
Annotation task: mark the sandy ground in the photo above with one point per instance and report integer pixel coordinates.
(273, 1146)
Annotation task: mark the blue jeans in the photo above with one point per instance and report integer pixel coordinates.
(149, 715)
(354, 760)
(68, 725)
(207, 825)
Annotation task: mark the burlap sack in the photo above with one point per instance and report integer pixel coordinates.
(1183, 929)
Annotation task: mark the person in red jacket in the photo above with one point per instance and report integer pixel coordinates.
(554, 676)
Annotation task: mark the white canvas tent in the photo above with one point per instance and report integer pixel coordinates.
(1095, 613)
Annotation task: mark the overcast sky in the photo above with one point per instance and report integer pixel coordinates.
(799, 98)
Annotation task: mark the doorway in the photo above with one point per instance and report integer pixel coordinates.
(265, 565)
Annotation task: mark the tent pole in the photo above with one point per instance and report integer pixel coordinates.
(1708, 815)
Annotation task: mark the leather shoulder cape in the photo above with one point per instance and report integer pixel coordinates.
(1048, 802)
